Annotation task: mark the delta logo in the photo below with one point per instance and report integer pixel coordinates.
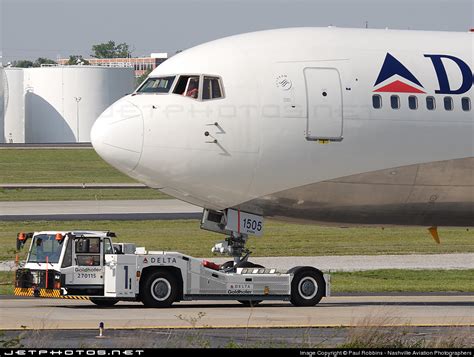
(394, 77)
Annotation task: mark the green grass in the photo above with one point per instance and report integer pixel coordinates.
(80, 194)
(6, 282)
(56, 166)
(280, 239)
(376, 281)
(393, 280)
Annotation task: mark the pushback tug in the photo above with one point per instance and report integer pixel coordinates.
(88, 265)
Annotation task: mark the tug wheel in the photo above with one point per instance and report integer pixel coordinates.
(160, 289)
(307, 288)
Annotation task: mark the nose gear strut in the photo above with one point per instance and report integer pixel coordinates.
(234, 243)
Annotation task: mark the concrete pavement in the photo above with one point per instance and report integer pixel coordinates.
(337, 311)
(98, 210)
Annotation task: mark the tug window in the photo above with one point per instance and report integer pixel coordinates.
(430, 103)
(88, 251)
(157, 85)
(45, 247)
(187, 86)
(377, 101)
(448, 103)
(466, 104)
(67, 260)
(211, 88)
(413, 102)
(395, 102)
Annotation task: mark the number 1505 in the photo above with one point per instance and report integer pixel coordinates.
(252, 224)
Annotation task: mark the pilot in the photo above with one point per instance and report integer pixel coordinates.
(193, 88)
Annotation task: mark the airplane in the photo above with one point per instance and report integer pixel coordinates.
(323, 125)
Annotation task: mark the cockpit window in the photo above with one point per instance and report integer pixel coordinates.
(188, 86)
(211, 88)
(157, 85)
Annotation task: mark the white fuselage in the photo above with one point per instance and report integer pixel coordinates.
(296, 133)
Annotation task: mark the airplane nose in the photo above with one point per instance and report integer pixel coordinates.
(117, 135)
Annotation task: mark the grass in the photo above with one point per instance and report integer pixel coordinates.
(366, 335)
(6, 282)
(280, 239)
(57, 166)
(63, 166)
(369, 334)
(394, 280)
(375, 281)
(80, 194)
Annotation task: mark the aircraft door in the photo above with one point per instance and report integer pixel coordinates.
(324, 101)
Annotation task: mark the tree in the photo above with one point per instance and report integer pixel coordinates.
(23, 64)
(77, 59)
(111, 50)
(29, 64)
(41, 60)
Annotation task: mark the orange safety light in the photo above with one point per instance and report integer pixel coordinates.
(59, 237)
(22, 237)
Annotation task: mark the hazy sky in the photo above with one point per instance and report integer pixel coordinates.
(52, 28)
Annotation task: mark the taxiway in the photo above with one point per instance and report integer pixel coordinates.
(337, 311)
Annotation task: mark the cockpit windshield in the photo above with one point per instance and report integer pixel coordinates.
(45, 246)
(157, 85)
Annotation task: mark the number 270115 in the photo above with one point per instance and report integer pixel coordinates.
(86, 275)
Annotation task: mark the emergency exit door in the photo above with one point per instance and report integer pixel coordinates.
(324, 104)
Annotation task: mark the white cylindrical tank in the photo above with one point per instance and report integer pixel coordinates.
(63, 102)
(2, 104)
(14, 116)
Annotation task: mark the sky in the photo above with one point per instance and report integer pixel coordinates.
(58, 28)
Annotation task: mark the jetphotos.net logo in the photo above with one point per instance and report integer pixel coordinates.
(394, 77)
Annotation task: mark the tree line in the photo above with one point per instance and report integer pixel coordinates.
(102, 50)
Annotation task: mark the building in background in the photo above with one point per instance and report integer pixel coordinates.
(59, 104)
(140, 64)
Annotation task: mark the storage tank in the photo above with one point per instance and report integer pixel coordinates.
(14, 115)
(64, 101)
(2, 104)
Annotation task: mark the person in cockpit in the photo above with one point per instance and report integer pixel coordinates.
(193, 86)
